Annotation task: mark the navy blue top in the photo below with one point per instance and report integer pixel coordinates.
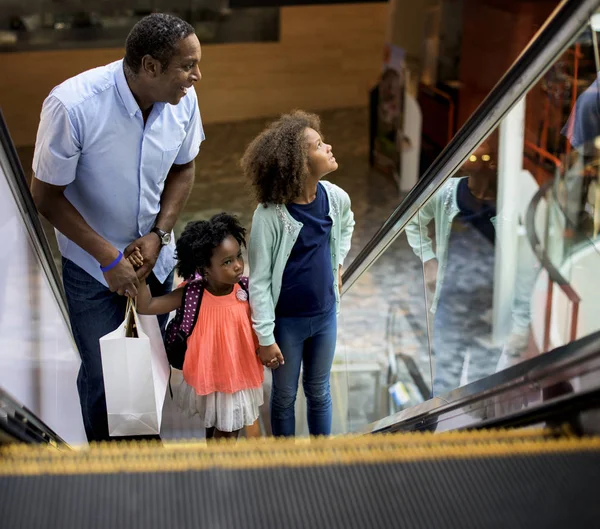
(476, 212)
(307, 283)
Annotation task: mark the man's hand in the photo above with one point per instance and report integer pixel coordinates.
(149, 246)
(340, 279)
(270, 356)
(122, 279)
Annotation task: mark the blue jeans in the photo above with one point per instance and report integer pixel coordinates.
(95, 311)
(310, 340)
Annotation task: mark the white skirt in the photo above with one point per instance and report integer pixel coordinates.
(226, 412)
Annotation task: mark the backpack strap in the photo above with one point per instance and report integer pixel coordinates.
(244, 284)
(190, 308)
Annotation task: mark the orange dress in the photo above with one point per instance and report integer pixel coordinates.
(222, 374)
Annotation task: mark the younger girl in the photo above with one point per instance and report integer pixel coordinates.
(300, 237)
(222, 375)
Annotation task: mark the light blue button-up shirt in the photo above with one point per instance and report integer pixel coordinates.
(92, 139)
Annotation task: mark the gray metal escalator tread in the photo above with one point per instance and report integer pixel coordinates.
(556, 490)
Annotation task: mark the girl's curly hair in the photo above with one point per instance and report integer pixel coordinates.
(275, 162)
(199, 239)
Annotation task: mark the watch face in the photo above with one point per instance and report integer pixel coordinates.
(166, 238)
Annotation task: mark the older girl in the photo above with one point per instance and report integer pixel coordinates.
(300, 237)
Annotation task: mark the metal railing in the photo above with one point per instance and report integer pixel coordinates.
(554, 275)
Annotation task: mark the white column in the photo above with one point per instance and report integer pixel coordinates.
(410, 155)
(510, 165)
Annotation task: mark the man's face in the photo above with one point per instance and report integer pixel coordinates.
(183, 71)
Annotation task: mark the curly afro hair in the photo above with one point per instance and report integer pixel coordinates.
(275, 162)
(199, 239)
(156, 35)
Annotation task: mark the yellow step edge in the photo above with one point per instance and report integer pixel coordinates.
(269, 443)
(158, 460)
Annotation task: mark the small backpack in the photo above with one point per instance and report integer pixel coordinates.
(182, 325)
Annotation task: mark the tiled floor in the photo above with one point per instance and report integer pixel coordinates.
(383, 314)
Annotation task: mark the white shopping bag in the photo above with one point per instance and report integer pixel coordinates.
(136, 375)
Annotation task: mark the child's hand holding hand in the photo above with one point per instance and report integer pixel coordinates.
(136, 258)
(270, 356)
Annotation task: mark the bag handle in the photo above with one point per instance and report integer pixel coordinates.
(130, 304)
(131, 308)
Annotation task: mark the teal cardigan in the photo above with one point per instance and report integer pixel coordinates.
(274, 233)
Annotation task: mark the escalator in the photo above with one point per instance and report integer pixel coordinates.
(511, 443)
(526, 478)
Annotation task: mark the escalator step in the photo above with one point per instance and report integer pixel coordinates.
(371, 482)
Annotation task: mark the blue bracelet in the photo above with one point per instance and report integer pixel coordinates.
(113, 264)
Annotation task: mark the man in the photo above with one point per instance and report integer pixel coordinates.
(113, 167)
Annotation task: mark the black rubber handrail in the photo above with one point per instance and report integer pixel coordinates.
(20, 424)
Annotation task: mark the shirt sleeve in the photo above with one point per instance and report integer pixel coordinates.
(417, 232)
(260, 256)
(194, 135)
(347, 227)
(57, 146)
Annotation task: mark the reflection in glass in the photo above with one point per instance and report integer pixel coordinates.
(454, 236)
(573, 199)
(508, 245)
(501, 264)
(383, 332)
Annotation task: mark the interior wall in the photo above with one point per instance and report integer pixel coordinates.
(495, 33)
(327, 57)
(406, 29)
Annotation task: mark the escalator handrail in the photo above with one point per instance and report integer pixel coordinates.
(24, 200)
(551, 40)
(19, 424)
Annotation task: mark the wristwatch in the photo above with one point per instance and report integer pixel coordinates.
(165, 237)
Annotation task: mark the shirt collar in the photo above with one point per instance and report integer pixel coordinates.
(125, 92)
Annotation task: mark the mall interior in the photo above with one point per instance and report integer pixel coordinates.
(466, 377)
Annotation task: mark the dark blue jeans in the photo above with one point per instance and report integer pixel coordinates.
(310, 341)
(95, 311)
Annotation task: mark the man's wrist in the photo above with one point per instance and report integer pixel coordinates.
(107, 256)
(112, 264)
(164, 237)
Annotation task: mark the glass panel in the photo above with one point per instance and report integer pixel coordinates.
(566, 138)
(38, 360)
(383, 326)
(454, 236)
(509, 244)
